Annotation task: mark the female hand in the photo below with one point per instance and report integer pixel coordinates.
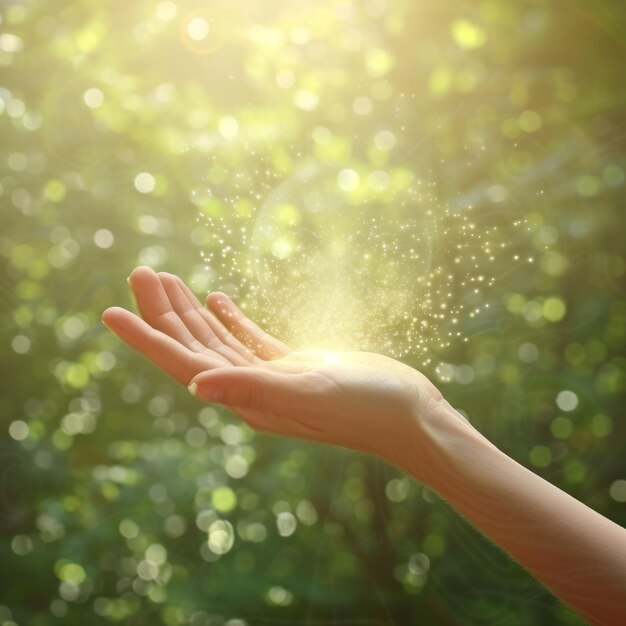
(358, 400)
(375, 404)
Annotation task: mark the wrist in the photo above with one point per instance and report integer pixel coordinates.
(441, 446)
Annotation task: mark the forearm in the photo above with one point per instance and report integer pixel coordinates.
(578, 554)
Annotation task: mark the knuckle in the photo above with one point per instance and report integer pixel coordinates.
(249, 395)
(255, 396)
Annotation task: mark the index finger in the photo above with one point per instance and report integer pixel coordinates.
(165, 352)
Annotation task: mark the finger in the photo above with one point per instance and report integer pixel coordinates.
(167, 353)
(274, 399)
(271, 425)
(263, 344)
(155, 307)
(202, 324)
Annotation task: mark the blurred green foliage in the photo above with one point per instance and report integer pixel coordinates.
(124, 501)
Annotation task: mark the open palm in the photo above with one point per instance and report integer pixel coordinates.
(359, 400)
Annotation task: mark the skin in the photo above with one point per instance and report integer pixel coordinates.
(374, 404)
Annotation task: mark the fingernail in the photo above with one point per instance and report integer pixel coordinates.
(207, 391)
(128, 280)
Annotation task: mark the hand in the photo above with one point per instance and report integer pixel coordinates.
(375, 404)
(359, 400)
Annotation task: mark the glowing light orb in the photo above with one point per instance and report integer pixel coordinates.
(198, 28)
(204, 31)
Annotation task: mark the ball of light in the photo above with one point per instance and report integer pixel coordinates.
(348, 180)
(362, 105)
(385, 140)
(145, 182)
(554, 309)
(228, 127)
(19, 430)
(567, 400)
(224, 499)
(103, 238)
(21, 344)
(198, 28)
(93, 98)
(221, 537)
(166, 10)
(617, 490)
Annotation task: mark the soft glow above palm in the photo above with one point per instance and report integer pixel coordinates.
(359, 400)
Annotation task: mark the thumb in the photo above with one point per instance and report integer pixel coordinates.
(245, 387)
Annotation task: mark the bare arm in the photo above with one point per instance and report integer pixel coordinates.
(374, 404)
(577, 553)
